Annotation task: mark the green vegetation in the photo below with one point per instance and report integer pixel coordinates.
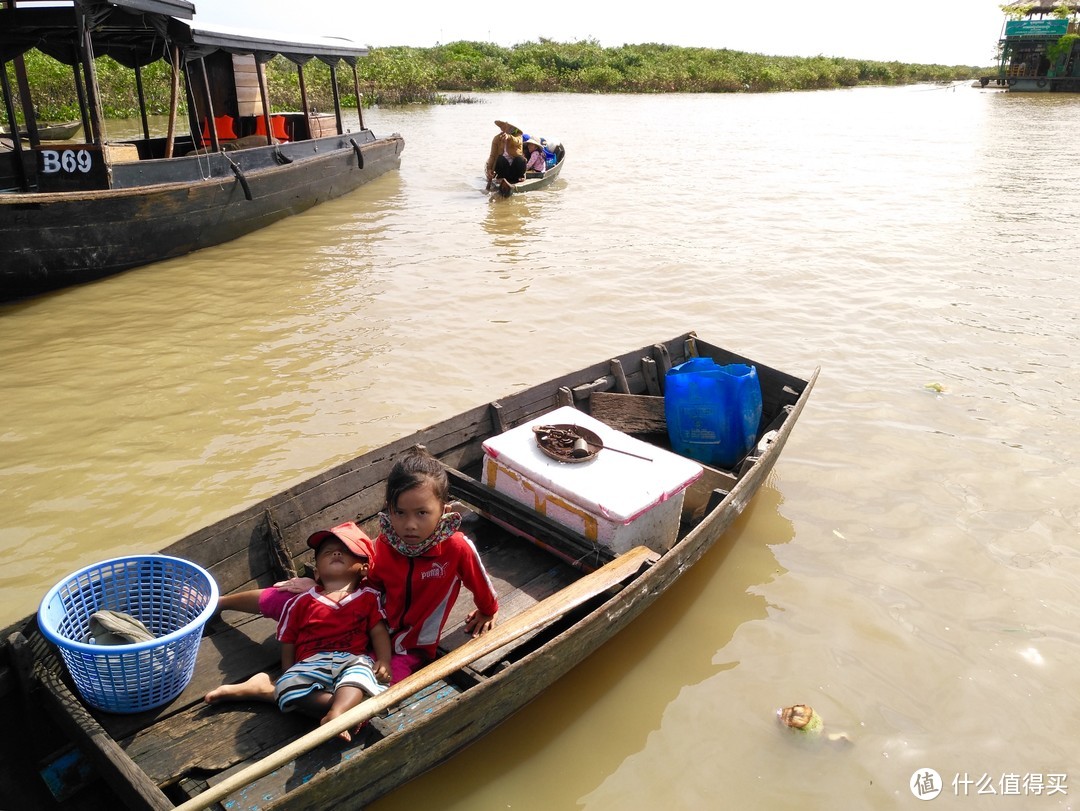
(1059, 51)
(403, 75)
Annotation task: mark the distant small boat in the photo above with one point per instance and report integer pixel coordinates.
(54, 131)
(536, 180)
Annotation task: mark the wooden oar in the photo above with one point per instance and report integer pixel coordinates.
(533, 618)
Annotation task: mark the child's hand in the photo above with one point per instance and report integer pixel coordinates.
(296, 585)
(478, 623)
(382, 672)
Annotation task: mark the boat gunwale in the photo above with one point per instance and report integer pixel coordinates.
(148, 190)
(537, 183)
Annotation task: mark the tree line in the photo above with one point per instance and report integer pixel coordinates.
(446, 73)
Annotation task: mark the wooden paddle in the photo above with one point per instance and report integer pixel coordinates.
(533, 618)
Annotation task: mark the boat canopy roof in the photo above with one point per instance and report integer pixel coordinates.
(138, 32)
(1038, 7)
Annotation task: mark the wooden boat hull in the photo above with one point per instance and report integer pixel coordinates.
(55, 240)
(139, 757)
(53, 131)
(537, 183)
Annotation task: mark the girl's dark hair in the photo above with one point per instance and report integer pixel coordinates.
(414, 468)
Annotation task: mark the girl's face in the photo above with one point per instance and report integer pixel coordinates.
(417, 513)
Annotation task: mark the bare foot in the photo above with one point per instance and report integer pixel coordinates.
(259, 687)
(344, 734)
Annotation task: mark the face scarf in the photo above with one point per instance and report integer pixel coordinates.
(448, 525)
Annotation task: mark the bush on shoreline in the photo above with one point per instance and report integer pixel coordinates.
(404, 75)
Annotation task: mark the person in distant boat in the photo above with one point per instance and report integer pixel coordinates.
(506, 161)
(421, 561)
(536, 161)
(325, 634)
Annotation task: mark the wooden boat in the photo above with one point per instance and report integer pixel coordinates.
(53, 131)
(534, 180)
(87, 210)
(561, 595)
(1039, 49)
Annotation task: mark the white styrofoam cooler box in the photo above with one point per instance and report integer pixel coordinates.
(616, 500)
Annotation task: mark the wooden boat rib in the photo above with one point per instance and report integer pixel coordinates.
(75, 212)
(561, 597)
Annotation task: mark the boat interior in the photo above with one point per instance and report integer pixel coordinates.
(188, 745)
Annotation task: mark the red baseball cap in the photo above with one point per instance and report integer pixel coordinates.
(349, 534)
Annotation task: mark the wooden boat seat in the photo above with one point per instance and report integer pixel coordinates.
(224, 126)
(122, 153)
(277, 127)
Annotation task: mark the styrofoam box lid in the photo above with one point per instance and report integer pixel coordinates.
(613, 485)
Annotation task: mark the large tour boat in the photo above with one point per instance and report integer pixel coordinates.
(227, 163)
(1039, 49)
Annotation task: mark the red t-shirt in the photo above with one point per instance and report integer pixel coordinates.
(420, 591)
(316, 624)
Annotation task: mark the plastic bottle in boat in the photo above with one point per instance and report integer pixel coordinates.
(712, 411)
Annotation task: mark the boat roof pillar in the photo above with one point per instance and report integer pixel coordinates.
(93, 95)
(264, 94)
(80, 93)
(211, 123)
(16, 142)
(174, 99)
(303, 92)
(29, 115)
(142, 102)
(359, 100)
(337, 97)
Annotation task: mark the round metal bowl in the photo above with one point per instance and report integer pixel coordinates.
(568, 443)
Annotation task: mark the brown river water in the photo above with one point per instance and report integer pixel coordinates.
(911, 568)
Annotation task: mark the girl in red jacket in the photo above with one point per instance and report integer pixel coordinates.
(421, 561)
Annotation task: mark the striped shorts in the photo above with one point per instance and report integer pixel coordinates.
(326, 671)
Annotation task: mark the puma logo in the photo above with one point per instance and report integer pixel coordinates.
(436, 570)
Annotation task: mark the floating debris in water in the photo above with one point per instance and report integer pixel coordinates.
(803, 718)
(935, 387)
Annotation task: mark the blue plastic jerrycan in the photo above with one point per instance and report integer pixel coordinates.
(712, 411)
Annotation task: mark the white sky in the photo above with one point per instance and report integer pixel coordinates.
(949, 32)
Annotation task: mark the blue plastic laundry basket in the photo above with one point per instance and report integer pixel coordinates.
(173, 598)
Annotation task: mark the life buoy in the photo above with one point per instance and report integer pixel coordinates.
(1041, 83)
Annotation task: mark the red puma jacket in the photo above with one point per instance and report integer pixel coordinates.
(420, 591)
